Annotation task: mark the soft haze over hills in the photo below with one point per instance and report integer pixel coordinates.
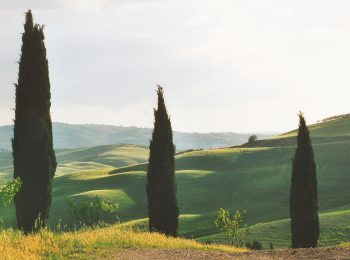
(77, 136)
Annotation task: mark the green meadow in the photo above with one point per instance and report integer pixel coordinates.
(254, 177)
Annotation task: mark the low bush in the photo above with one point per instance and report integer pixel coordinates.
(93, 212)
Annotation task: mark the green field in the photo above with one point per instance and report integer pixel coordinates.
(254, 177)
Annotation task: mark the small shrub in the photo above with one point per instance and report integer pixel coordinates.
(93, 212)
(255, 245)
(232, 226)
(9, 190)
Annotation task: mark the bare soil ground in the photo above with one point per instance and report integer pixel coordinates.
(160, 254)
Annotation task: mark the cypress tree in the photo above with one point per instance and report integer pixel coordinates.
(303, 192)
(34, 159)
(161, 187)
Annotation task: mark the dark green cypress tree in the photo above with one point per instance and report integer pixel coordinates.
(34, 159)
(303, 192)
(163, 211)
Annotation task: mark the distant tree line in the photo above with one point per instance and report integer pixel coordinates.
(334, 118)
(35, 162)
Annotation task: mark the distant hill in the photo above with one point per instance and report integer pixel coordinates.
(88, 135)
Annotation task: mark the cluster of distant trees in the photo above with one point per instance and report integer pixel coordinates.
(334, 118)
(35, 161)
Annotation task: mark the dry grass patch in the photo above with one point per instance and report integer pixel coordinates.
(47, 244)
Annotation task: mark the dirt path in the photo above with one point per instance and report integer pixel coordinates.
(160, 254)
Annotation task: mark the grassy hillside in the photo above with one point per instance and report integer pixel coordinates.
(88, 243)
(85, 162)
(255, 177)
(77, 136)
(335, 228)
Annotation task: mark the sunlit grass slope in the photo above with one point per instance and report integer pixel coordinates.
(335, 229)
(81, 244)
(72, 160)
(113, 155)
(254, 177)
(336, 130)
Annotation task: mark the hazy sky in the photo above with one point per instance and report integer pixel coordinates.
(225, 65)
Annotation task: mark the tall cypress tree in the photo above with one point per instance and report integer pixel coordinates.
(303, 192)
(161, 187)
(34, 159)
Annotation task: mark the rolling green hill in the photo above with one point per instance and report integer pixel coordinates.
(255, 177)
(81, 159)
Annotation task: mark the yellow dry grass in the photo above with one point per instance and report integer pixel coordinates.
(62, 245)
(345, 244)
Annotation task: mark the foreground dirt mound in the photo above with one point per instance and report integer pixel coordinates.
(160, 254)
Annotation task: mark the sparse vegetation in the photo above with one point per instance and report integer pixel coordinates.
(233, 227)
